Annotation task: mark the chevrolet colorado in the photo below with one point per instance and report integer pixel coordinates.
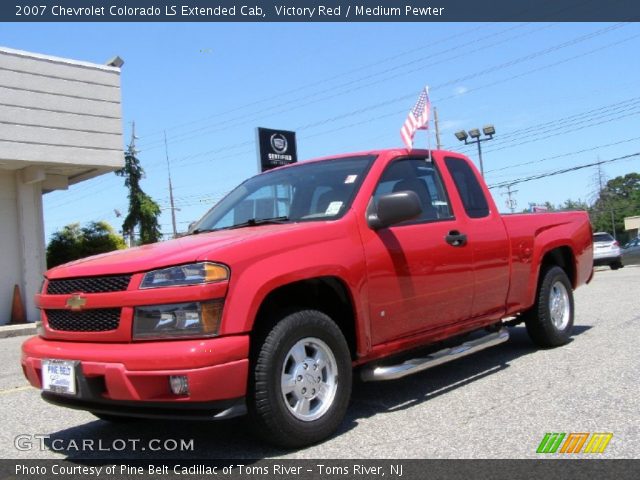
(299, 277)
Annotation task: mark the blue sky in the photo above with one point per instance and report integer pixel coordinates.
(550, 89)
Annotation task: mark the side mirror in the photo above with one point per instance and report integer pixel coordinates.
(394, 208)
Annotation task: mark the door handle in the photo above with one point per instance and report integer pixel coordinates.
(456, 239)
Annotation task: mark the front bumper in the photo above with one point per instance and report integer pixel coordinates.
(133, 379)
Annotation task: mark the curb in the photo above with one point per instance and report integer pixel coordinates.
(21, 330)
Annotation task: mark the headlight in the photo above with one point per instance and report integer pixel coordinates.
(193, 319)
(192, 274)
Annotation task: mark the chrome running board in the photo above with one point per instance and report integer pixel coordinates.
(391, 372)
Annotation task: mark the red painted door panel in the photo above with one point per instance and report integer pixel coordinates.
(417, 281)
(487, 238)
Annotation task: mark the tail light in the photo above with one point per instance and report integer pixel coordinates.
(615, 243)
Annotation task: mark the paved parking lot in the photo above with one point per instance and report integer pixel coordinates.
(495, 404)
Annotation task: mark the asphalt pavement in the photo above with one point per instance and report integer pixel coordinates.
(498, 403)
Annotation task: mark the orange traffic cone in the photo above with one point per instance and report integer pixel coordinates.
(17, 309)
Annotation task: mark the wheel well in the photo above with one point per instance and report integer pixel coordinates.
(563, 258)
(326, 294)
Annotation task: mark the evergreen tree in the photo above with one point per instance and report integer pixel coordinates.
(143, 210)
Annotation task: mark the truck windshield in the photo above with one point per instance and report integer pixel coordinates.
(305, 192)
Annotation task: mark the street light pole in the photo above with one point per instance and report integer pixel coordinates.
(488, 130)
(480, 157)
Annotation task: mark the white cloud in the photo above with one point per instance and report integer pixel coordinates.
(461, 90)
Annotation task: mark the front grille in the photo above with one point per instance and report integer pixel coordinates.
(88, 285)
(95, 320)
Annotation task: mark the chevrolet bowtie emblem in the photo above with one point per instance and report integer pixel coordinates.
(76, 302)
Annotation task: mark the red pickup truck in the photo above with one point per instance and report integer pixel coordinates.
(383, 263)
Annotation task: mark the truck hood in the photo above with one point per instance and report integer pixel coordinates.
(214, 246)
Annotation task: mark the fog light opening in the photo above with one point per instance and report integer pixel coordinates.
(179, 384)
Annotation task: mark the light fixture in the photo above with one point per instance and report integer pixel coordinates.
(489, 130)
(461, 135)
(115, 62)
(475, 133)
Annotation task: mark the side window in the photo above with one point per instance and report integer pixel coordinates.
(473, 199)
(421, 177)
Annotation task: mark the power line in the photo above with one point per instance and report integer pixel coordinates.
(440, 100)
(562, 171)
(550, 125)
(580, 4)
(463, 78)
(404, 97)
(555, 157)
(363, 67)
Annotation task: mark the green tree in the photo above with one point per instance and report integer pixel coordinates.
(64, 245)
(73, 242)
(572, 205)
(143, 211)
(619, 198)
(100, 237)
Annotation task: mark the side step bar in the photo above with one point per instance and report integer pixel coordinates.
(391, 372)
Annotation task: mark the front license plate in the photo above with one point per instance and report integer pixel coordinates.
(59, 376)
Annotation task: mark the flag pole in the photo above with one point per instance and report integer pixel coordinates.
(428, 121)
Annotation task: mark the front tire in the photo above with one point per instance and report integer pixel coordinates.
(300, 382)
(550, 321)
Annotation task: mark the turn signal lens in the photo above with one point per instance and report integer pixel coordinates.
(214, 272)
(181, 275)
(210, 315)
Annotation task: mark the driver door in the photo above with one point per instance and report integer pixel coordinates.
(417, 281)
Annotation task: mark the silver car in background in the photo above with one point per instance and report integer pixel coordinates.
(631, 252)
(606, 251)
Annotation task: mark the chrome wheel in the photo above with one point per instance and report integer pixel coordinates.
(559, 305)
(309, 379)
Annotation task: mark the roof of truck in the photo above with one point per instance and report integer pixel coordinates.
(392, 151)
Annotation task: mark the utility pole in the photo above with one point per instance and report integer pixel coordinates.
(173, 208)
(603, 195)
(435, 121)
(132, 143)
(132, 151)
(511, 202)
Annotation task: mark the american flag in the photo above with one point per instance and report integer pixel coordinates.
(418, 119)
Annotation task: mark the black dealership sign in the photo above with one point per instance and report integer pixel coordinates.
(276, 148)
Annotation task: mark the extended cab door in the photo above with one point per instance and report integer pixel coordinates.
(486, 236)
(419, 279)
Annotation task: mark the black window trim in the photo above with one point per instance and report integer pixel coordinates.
(490, 212)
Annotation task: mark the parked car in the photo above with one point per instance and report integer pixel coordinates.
(631, 252)
(300, 278)
(606, 251)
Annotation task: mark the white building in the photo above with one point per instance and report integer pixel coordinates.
(60, 124)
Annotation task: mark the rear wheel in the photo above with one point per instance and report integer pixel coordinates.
(300, 381)
(616, 265)
(550, 321)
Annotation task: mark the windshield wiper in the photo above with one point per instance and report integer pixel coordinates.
(253, 222)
